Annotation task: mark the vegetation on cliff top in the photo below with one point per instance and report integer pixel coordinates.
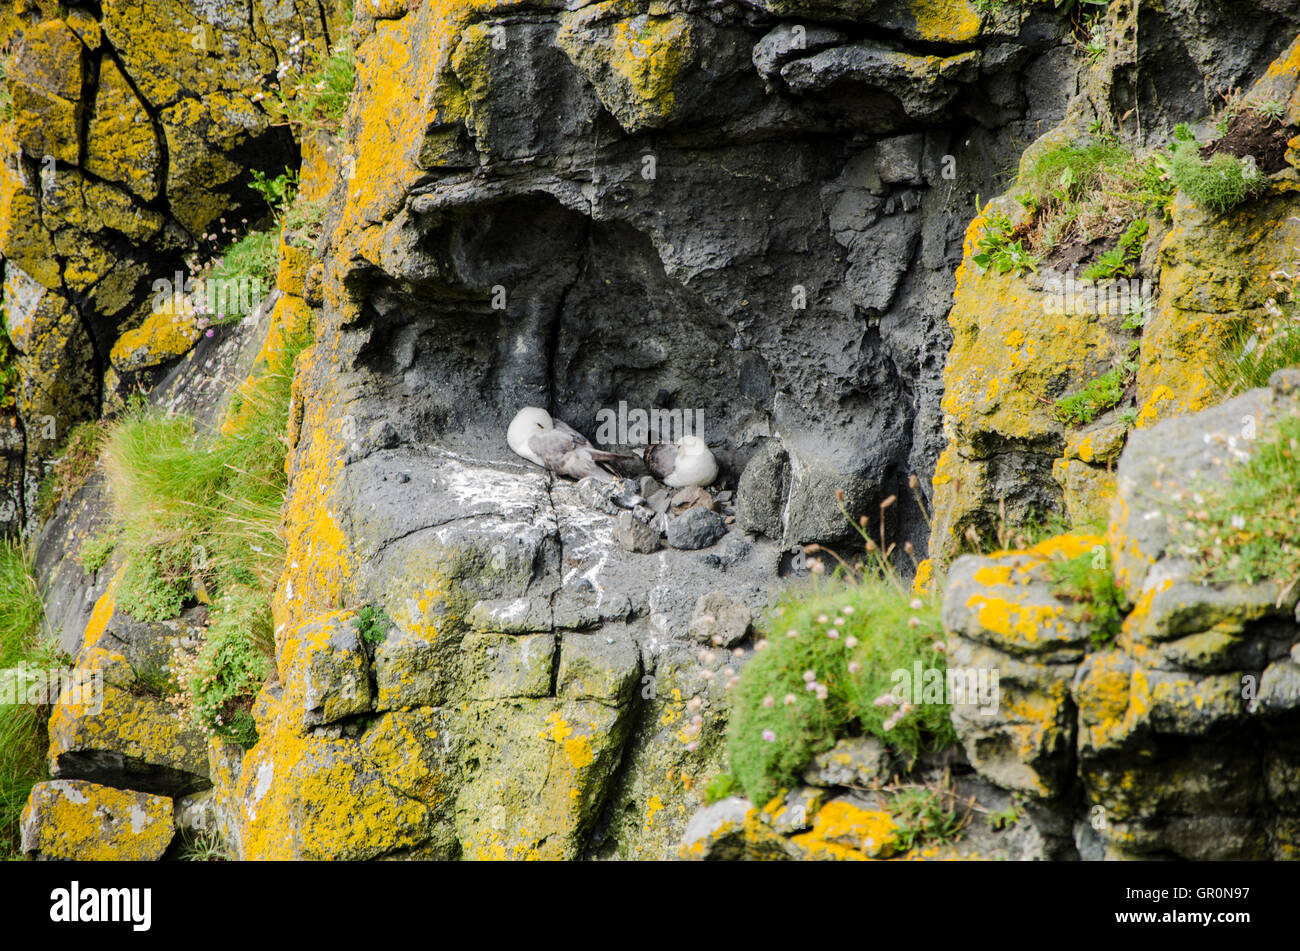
(197, 516)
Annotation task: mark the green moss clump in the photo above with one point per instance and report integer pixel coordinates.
(1218, 183)
(232, 664)
(1101, 393)
(1099, 603)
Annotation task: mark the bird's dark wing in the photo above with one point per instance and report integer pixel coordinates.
(552, 445)
(562, 427)
(661, 459)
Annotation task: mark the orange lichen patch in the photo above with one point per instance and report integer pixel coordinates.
(102, 613)
(654, 805)
(1011, 348)
(306, 796)
(843, 831)
(1135, 624)
(319, 561)
(1112, 696)
(924, 575)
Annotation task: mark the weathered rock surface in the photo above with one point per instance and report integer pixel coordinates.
(1156, 731)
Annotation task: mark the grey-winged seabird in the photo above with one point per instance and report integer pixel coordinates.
(683, 463)
(556, 446)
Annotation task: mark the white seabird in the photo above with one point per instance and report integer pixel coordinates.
(683, 463)
(556, 446)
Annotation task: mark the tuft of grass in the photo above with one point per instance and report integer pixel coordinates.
(851, 638)
(924, 814)
(1248, 359)
(318, 98)
(303, 221)
(1101, 394)
(1245, 531)
(200, 512)
(251, 259)
(6, 95)
(73, 467)
(1217, 184)
(23, 740)
(203, 847)
(1099, 603)
(1077, 193)
(96, 551)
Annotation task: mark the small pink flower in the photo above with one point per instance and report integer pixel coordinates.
(769, 736)
(850, 641)
(692, 746)
(833, 634)
(809, 676)
(792, 633)
(822, 619)
(768, 701)
(810, 685)
(854, 667)
(761, 645)
(847, 609)
(789, 699)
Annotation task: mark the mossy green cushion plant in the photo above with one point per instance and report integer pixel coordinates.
(1218, 183)
(829, 654)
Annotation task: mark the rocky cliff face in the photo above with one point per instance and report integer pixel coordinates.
(753, 211)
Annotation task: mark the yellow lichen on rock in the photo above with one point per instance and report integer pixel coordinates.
(75, 820)
(634, 55)
(167, 333)
(844, 831)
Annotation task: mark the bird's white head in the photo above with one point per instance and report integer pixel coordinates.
(528, 422)
(691, 445)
